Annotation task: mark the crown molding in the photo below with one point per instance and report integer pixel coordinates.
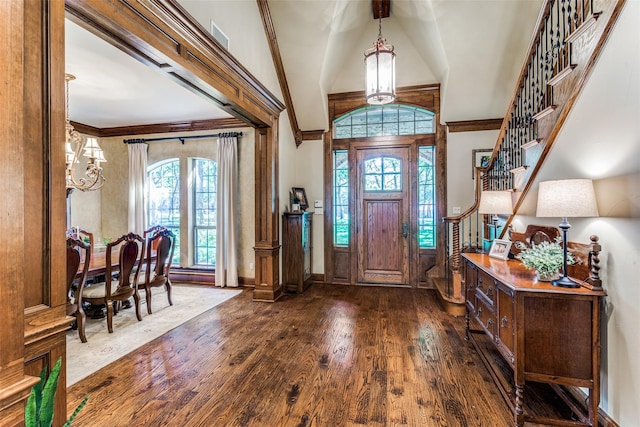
(186, 126)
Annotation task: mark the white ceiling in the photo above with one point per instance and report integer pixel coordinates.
(473, 48)
(113, 89)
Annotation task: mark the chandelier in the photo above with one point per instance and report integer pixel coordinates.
(380, 62)
(76, 146)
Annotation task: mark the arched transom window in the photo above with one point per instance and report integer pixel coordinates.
(384, 120)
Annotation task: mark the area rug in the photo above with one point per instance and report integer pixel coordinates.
(102, 348)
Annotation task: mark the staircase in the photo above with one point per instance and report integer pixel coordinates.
(569, 36)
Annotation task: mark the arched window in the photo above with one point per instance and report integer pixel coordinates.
(384, 120)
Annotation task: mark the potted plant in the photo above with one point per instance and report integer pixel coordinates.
(40, 404)
(547, 258)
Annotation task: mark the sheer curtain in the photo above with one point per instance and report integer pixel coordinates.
(226, 258)
(137, 181)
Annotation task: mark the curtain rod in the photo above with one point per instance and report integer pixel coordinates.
(181, 138)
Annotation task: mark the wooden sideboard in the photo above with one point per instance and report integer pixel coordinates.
(544, 333)
(296, 251)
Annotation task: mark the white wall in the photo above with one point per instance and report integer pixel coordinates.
(240, 21)
(309, 174)
(460, 146)
(601, 141)
(84, 210)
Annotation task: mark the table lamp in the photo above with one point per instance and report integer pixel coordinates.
(495, 203)
(566, 198)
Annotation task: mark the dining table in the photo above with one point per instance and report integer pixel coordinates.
(98, 264)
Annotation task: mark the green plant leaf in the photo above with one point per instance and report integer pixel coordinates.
(37, 390)
(49, 394)
(30, 418)
(76, 411)
(41, 402)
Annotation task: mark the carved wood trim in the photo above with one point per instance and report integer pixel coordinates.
(12, 117)
(187, 126)
(474, 125)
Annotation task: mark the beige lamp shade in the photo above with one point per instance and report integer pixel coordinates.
(572, 198)
(495, 203)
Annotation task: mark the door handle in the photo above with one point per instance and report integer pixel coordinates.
(405, 229)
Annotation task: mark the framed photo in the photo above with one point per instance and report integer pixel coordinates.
(480, 158)
(500, 249)
(301, 195)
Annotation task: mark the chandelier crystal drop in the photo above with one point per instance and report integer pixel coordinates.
(380, 63)
(75, 146)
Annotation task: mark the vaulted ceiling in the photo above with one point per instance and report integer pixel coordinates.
(473, 48)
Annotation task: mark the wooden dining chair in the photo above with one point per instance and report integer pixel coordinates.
(80, 234)
(78, 258)
(153, 230)
(159, 249)
(131, 251)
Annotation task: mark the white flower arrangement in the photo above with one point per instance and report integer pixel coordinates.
(547, 258)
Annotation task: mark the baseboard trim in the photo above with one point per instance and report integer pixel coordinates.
(203, 276)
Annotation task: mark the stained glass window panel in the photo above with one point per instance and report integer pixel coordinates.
(340, 198)
(382, 174)
(387, 120)
(426, 198)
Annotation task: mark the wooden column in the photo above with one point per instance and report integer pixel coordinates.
(267, 248)
(32, 216)
(14, 385)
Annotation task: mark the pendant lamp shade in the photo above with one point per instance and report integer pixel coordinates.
(380, 64)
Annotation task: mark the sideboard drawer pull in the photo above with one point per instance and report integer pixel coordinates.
(504, 321)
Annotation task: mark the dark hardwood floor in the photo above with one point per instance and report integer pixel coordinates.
(333, 356)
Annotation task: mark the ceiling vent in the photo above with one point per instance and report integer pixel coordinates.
(217, 34)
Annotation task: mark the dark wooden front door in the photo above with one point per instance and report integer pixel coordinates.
(382, 205)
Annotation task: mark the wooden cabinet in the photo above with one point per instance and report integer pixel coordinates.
(296, 251)
(545, 334)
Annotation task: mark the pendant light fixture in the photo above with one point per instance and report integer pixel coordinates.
(380, 62)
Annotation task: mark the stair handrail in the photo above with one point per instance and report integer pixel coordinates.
(454, 258)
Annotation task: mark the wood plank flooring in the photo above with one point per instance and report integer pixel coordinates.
(333, 356)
